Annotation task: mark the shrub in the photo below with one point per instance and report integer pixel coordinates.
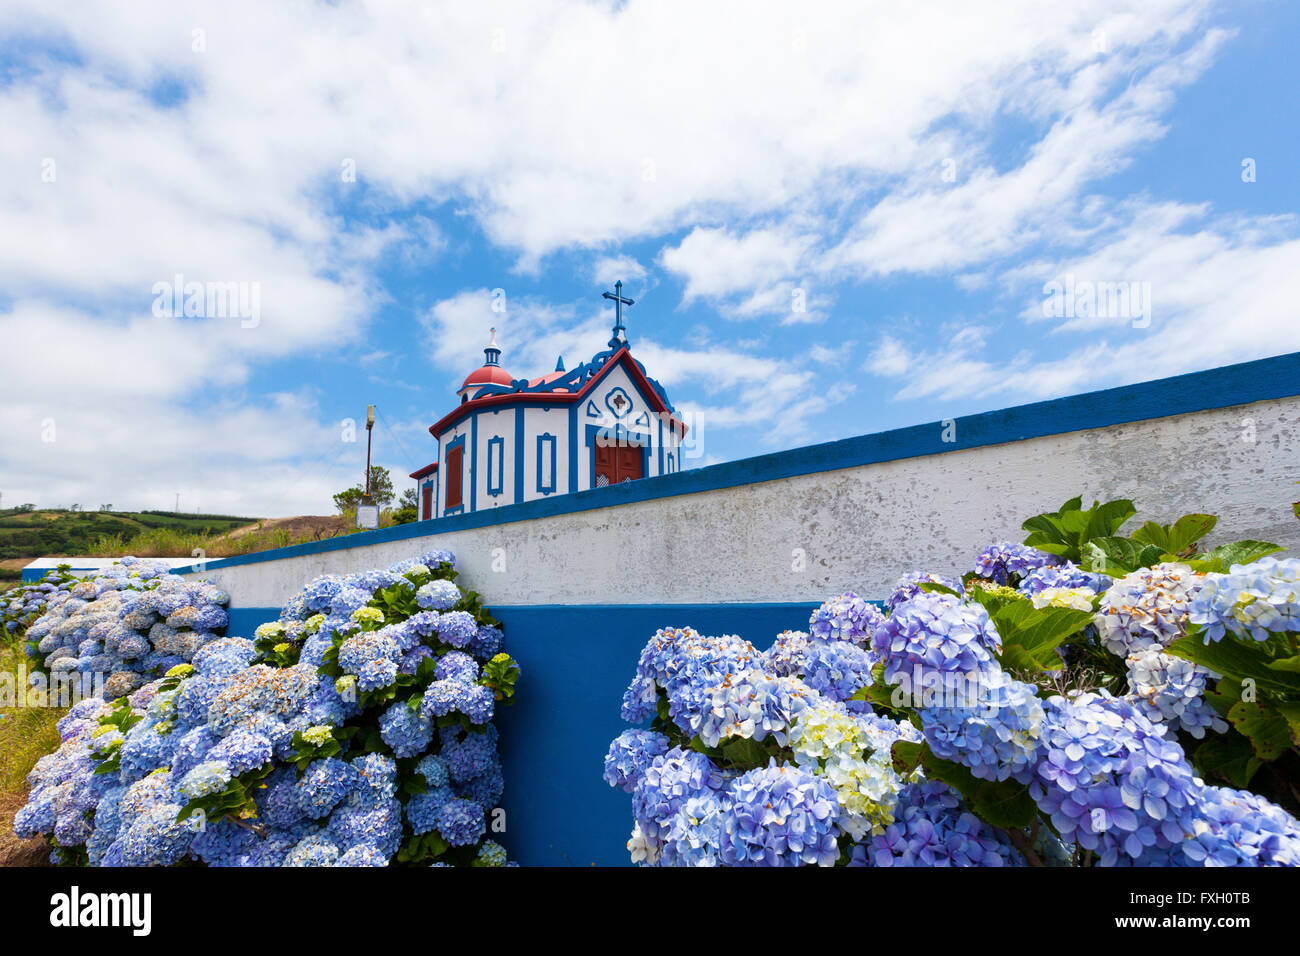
(1040, 710)
(111, 631)
(355, 730)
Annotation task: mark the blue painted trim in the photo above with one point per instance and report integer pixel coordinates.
(671, 466)
(1242, 384)
(592, 410)
(557, 730)
(609, 401)
(668, 609)
(496, 468)
(661, 445)
(473, 465)
(620, 433)
(546, 438)
(519, 454)
(573, 450)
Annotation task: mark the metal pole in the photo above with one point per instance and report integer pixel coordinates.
(370, 424)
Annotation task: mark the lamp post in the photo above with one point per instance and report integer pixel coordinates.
(370, 425)
(367, 511)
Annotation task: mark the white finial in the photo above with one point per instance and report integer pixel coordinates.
(493, 343)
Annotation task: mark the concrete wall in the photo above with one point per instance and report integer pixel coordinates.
(858, 527)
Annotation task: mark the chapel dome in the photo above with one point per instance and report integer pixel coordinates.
(491, 372)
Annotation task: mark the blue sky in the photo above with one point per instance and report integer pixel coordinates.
(918, 177)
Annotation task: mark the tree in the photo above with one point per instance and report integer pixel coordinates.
(407, 509)
(381, 491)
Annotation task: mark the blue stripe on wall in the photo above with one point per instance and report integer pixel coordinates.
(519, 454)
(1241, 384)
(575, 662)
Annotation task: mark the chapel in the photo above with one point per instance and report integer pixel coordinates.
(510, 440)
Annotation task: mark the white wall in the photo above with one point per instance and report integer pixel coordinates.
(539, 420)
(858, 527)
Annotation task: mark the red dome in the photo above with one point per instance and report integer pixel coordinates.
(488, 375)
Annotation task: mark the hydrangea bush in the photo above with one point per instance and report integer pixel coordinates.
(21, 606)
(114, 630)
(355, 730)
(1078, 699)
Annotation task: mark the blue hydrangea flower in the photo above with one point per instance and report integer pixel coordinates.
(461, 822)
(434, 771)
(932, 827)
(207, 778)
(936, 631)
(909, 586)
(1147, 608)
(469, 755)
(845, 618)
(992, 727)
(1252, 600)
(838, 670)
(780, 816)
(630, 754)
(423, 809)
(1111, 782)
(1007, 563)
(242, 751)
(457, 665)
(438, 595)
(1065, 575)
(487, 643)
(324, 784)
(407, 731)
(485, 789)
(457, 628)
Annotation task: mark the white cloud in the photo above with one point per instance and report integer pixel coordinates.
(607, 270)
(757, 267)
(226, 457)
(741, 389)
(798, 147)
(530, 334)
(1221, 291)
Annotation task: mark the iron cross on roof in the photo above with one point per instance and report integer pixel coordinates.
(620, 336)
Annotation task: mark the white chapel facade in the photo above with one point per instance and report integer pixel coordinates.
(514, 440)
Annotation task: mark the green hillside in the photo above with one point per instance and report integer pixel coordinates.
(60, 532)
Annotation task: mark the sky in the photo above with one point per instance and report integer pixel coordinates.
(834, 221)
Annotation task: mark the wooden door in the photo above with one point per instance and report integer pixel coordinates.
(605, 471)
(428, 501)
(454, 466)
(615, 463)
(629, 462)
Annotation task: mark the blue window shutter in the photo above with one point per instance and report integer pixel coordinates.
(496, 457)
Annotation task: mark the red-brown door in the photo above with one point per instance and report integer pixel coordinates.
(454, 459)
(428, 501)
(629, 462)
(606, 470)
(615, 463)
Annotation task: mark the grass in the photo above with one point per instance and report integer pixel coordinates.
(26, 735)
(166, 543)
(173, 543)
(54, 531)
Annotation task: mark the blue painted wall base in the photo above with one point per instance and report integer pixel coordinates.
(575, 663)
